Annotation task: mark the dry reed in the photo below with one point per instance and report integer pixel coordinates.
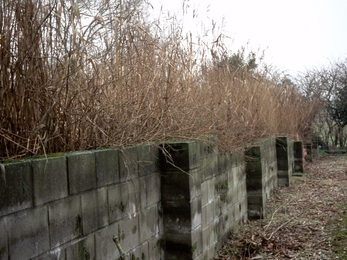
(84, 75)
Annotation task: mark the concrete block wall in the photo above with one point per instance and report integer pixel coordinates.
(261, 172)
(204, 198)
(71, 206)
(183, 205)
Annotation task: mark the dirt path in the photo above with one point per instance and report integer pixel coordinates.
(307, 220)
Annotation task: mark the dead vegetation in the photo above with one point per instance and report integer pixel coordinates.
(304, 221)
(89, 74)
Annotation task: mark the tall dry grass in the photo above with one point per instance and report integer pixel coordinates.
(81, 75)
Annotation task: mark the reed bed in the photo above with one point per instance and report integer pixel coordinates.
(90, 74)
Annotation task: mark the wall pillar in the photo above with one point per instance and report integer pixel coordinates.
(284, 160)
(255, 181)
(298, 158)
(181, 207)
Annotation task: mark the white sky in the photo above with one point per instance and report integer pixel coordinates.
(296, 35)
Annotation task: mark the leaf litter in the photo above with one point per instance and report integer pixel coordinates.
(303, 221)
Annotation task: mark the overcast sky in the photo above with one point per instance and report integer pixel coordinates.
(296, 35)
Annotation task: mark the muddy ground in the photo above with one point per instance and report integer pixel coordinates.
(307, 220)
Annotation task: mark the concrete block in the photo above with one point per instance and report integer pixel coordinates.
(254, 184)
(50, 179)
(134, 196)
(153, 194)
(81, 171)
(197, 241)
(156, 248)
(65, 218)
(209, 167)
(208, 238)
(254, 170)
(18, 193)
(298, 149)
(208, 146)
(118, 199)
(3, 239)
(54, 254)
(224, 162)
(143, 192)
(107, 167)
(195, 183)
(83, 249)
(183, 155)
(94, 210)
(195, 211)
(148, 223)
(148, 159)
(105, 248)
(129, 234)
(175, 191)
(207, 214)
(28, 233)
(140, 252)
(128, 164)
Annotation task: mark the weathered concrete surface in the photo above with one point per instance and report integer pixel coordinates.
(179, 206)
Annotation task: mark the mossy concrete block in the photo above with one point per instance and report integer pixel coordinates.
(129, 233)
(178, 246)
(50, 179)
(197, 242)
(18, 192)
(83, 249)
(148, 159)
(208, 147)
(140, 252)
(128, 164)
(81, 171)
(105, 248)
(118, 199)
(148, 223)
(65, 217)
(253, 153)
(94, 210)
(3, 239)
(28, 233)
(224, 162)
(107, 167)
(155, 248)
(181, 156)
